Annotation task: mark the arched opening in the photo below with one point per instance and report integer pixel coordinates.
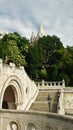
(48, 128)
(9, 99)
(13, 125)
(31, 127)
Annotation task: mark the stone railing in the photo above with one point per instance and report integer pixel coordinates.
(21, 120)
(44, 84)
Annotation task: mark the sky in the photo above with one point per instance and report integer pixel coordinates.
(25, 16)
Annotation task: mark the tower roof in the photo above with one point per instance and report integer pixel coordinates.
(32, 39)
(40, 32)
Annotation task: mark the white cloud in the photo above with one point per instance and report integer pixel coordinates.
(25, 16)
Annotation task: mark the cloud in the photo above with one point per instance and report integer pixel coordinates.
(25, 16)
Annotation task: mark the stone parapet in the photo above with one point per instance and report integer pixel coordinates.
(53, 84)
(37, 120)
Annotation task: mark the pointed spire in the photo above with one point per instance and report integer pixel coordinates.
(32, 39)
(40, 32)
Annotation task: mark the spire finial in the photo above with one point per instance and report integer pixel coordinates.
(40, 32)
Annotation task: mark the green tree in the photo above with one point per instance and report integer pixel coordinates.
(35, 59)
(46, 59)
(40, 57)
(10, 51)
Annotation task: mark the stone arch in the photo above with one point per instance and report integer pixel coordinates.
(15, 83)
(48, 128)
(31, 126)
(13, 125)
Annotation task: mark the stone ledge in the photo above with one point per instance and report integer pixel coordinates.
(64, 118)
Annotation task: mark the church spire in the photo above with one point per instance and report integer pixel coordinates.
(40, 32)
(32, 39)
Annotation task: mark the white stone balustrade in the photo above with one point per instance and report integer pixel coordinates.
(44, 84)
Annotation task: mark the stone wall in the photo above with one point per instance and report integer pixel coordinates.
(23, 87)
(24, 92)
(20, 120)
(68, 100)
(64, 95)
(16, 81)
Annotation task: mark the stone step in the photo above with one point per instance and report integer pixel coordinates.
(43, 106)
(42, 96)
(39, 106)
(41, 102)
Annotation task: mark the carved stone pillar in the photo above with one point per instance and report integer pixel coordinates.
(18, 105)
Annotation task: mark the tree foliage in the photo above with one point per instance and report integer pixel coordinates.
(49, 60)
(46, 59)
(12, 48)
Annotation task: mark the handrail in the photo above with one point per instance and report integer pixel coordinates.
(53, 83)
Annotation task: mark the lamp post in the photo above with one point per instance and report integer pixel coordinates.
(49, 101)
(58, 95)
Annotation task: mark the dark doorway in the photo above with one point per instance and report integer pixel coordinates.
(9, 98)
(5, 105)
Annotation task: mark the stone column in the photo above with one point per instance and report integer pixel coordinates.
(1, 124)
(18, 105)
(63, 83)
(43, 83)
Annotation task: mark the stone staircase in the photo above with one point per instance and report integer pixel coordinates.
(41, 102)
